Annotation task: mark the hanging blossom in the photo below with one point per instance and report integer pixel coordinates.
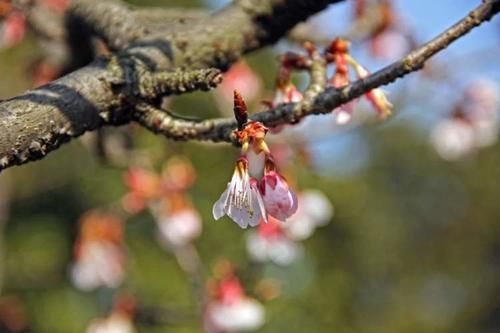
(256, 189)
(472, 125)
(119, 321)
(99, 252)
(285, 89)
(179, 223)
(271, 243)
(338, 53)
(166, 197)
(229, 310)
(144, 187)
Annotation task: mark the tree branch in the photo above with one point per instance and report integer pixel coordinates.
(107, 91)
(222, 129)
(111, 91)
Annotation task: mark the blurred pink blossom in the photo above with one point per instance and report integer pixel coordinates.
(13, 29)
(230, 310)
(99, 252)
(271, 243)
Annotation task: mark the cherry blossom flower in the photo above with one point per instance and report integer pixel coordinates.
(453, 138)
(375, 96)
(178, 221)
(241, 201)
(230, 310)
(178, 175)
(248, 199)
(143, 186)
(314, 210)
(280, 201)
(338, 53)
(99, 252)
(179, 227)
(473, 124)
(271, 243)
(340, 79)
(115, 323)
(285, 90)
(167, 199)
(287, 94)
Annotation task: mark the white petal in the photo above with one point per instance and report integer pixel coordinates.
(218, 209)
(261, 205)
(243, 315)
(256, 164)
(245, 216)
(180, 228)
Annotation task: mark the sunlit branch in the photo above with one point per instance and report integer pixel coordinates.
(330, 98)
(107, 91)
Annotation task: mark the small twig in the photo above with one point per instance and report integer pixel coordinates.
(179, 81)
(161, 122)
(221, 129)
(317, 71)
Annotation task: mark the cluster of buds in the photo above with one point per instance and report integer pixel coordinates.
(119, 321)
(99, 252)
(279, 242)
(167, 199)
(338, 54)
(472, 125)
(257, 190)
(229, 309)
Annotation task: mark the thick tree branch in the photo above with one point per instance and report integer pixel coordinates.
(222, 129)
(111, 20)
(107, 91)
(111, 91)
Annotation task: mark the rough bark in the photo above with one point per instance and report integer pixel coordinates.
(151, 63)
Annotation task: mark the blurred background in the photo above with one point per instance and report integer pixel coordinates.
(406, 210)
